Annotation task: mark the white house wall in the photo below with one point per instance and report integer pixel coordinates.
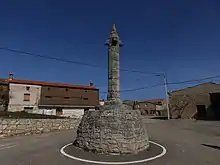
(77, 113)
(101, 102)
(16, 97)
(46, 111)
(159, 107)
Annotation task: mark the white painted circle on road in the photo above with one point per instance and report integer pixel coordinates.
(114, 163)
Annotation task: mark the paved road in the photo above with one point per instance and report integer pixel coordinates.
(184, 146)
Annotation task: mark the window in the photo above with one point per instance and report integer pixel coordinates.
(86, 109)
(67, 98)
(85, 90)
(27, 97)
(48, 97)
(28, 108)
(27, 88)
(67, 90)
(48, 88)
(85, 98)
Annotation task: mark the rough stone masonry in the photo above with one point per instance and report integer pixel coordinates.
(14, 127)
(115, 128)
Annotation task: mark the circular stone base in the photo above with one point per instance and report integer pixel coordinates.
(114, 129)
(153, 152)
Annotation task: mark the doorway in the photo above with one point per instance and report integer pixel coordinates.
(215, 101)
(59, 111)
(201, 112)
(28, 109)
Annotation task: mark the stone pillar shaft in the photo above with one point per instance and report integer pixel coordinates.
(113, 73)
(114, 44)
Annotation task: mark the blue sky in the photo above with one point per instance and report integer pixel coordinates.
(181, 37)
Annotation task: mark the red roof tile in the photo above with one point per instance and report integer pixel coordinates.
(36, 82)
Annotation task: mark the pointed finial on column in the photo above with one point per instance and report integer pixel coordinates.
(113, 27)
(113, 36)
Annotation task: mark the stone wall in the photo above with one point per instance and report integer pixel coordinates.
(14, 127)
(113, 129)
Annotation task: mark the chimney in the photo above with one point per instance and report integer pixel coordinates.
(10, 76)
(91, 83)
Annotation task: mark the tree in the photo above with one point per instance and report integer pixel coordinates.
(4, 96)
(182, 106)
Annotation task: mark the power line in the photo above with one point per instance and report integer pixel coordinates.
(97, 66)
(194, 80)
(73, 62)
(137, 89)
(50, 58)
(171, 83)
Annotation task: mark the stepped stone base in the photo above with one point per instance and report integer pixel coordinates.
(114, 129)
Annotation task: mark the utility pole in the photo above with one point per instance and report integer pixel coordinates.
(166, 92)
(167, 95)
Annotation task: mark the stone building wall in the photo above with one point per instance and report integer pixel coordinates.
(202, 89)
(14, 127)
(183, 102)
(199, 93)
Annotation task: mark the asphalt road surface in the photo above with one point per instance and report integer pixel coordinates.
(187, 143)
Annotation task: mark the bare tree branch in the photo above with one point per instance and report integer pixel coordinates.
(179, 104)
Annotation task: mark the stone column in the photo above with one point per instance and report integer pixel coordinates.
(125, 129)
(114, 45)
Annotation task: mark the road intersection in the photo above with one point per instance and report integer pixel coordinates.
(185, 143)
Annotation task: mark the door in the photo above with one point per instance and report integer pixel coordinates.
(59, 111)
(215, 100)
(201, 111)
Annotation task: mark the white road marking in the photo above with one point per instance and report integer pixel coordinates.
(6, 146)
(114, 163)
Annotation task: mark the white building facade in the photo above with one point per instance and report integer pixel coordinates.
(24, 97)
(72, 112)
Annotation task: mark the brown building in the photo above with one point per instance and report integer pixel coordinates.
(59, 95)
(200, 101)
(51, 97)
(146, 107)
(149, 107)
(64, 94)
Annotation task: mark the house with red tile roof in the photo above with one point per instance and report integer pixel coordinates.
(148, 107)
(52, 98)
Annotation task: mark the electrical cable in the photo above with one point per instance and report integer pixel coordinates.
(73, 62)
(171, 83)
